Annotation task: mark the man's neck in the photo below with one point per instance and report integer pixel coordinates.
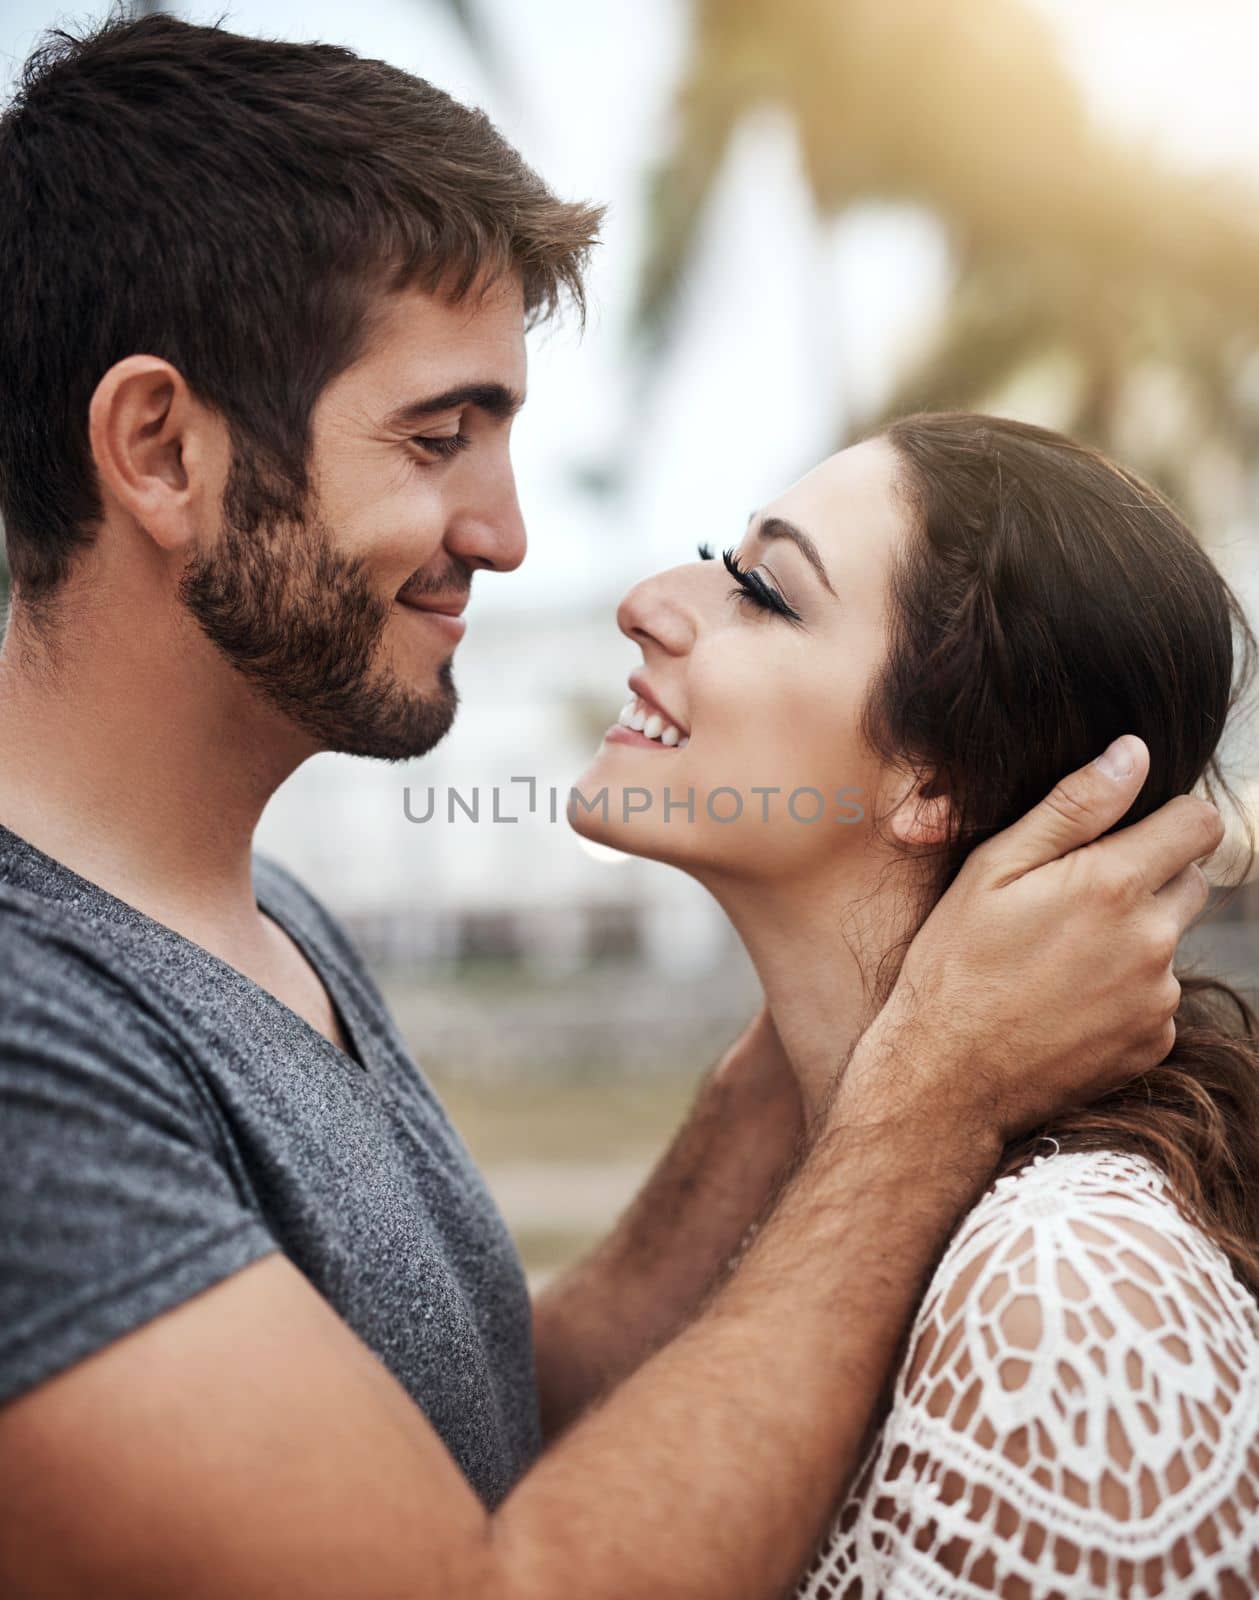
(143, 762)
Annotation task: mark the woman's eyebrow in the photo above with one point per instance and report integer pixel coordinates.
(780, 528)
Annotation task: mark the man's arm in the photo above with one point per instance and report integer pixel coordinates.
(722, 1171)
(248, 1444)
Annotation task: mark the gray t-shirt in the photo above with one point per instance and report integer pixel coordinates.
(164, 1121)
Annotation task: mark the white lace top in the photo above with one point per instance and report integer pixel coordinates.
(1078, 1412)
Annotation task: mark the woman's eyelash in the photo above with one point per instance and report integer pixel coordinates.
(444, 445)
(753, 587)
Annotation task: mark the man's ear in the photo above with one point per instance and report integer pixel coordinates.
(160, 454)
(922, 817)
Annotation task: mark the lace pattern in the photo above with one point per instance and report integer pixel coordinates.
(1077, 1416)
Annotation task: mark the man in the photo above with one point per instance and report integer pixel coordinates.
(261, 1330)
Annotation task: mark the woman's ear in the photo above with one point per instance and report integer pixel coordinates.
(922, 817)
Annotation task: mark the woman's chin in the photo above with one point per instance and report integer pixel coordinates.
(619, 801)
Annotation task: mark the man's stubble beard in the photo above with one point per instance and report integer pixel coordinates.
(303, 625)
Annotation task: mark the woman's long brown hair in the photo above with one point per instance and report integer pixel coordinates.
(1048, 602)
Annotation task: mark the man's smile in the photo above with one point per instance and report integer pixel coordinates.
(445, 615)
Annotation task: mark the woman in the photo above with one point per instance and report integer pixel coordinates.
(923, 635)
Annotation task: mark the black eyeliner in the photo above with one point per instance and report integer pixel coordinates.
(757, 590)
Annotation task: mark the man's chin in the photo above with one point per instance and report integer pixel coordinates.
(393, 726)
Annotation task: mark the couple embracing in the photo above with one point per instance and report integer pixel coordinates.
(946, 1286)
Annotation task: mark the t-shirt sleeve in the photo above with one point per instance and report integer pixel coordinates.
(115, 1201)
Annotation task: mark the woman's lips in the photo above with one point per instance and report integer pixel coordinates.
(618, 734)
(642, 693)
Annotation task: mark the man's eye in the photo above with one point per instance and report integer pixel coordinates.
(443, 445)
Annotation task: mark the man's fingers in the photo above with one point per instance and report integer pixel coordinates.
(1080, 808)
(1154, 851)
(1185, 895)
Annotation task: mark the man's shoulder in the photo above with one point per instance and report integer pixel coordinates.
(69, 982)
(84, 1032)
(44, 939)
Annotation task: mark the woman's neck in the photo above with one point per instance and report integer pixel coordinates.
(816, 944)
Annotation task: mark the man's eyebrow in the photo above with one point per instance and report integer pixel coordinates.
(780, 528)
(495, 399)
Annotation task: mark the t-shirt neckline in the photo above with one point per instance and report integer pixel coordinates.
(267, 905)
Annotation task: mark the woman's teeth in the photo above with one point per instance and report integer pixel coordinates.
(635, 715)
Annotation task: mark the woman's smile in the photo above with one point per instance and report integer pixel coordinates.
(641, 723)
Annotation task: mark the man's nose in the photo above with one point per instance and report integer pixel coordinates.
(488, 529)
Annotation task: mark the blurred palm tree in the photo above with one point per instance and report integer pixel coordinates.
(1135, 283)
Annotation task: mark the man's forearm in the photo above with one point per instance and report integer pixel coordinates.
(595, 1324)
(718, 1460)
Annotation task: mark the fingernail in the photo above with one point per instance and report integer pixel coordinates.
(1116, 760)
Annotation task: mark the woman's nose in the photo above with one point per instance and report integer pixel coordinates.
(656, 611)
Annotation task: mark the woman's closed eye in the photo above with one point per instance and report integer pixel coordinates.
(752, 586)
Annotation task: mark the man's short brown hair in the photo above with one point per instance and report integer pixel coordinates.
(234, 206)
